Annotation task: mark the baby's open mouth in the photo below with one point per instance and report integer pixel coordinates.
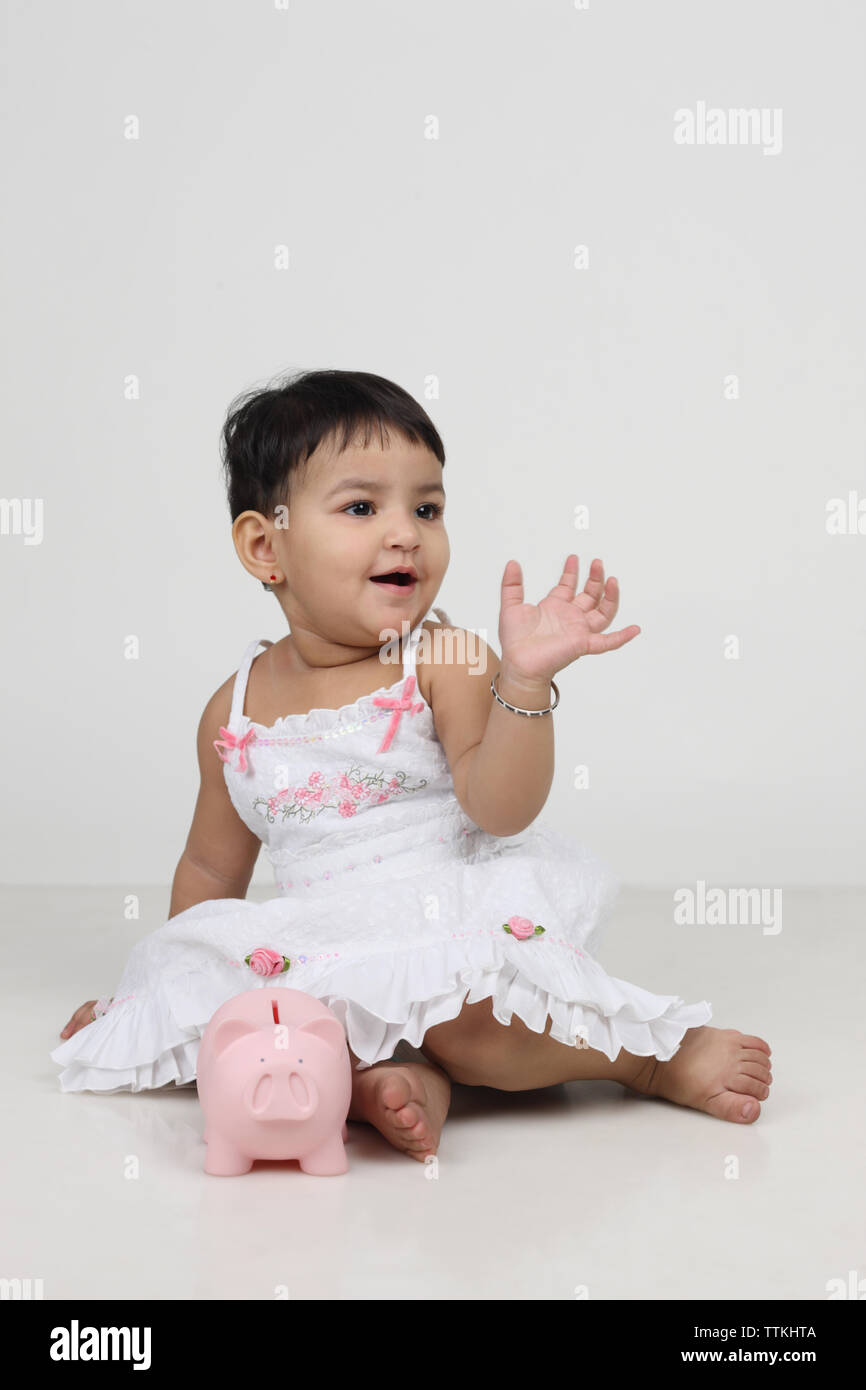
(394, 578)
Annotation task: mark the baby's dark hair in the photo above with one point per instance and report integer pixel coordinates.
(269, 435)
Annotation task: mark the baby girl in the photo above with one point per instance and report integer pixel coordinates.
(418, 894)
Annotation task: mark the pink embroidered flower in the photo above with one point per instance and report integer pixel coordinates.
(521, 928)
(346, 793)
(264, 961)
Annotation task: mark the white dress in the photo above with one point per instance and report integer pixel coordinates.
(391, 907)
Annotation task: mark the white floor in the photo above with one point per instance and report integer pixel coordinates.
(537, 1195)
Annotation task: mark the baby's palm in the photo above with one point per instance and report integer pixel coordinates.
(538, 640)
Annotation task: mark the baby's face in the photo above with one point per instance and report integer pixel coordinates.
(340, 533)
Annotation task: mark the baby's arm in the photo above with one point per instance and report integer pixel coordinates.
(501, 763)
(220, 852)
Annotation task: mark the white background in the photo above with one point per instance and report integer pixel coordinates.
(447, 260)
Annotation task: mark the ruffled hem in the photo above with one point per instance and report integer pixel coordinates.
(152, 1039)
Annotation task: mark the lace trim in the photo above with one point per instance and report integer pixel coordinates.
(286, 719)
(314, 738)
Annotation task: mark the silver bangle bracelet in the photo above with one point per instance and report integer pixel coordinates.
(530, 712)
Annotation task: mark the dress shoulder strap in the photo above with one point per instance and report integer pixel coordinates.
(411, 653)
(240, 685)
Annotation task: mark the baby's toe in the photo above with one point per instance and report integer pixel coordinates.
(757, 1073)
(734, 1107)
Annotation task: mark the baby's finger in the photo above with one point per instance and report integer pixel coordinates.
(511, 589)
(604, 614)
(592, 589)
(568, 579)
(613, 639)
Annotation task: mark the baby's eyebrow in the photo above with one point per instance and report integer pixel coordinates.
(373, 485)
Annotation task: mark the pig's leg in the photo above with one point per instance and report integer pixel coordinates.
(224, 1159)
(327, 1160)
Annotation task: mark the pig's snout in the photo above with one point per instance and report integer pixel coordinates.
(282, 1093)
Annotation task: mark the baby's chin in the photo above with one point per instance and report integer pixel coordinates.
(379, 623)
(389, 607)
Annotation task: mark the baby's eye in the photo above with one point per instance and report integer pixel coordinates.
(437, 510)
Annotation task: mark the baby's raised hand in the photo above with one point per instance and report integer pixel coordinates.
(537, 640)
(79, 1019)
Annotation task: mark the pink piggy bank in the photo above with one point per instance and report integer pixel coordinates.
(274, 1079)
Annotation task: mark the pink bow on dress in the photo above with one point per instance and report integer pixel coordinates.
(403, 705)
(230, 740)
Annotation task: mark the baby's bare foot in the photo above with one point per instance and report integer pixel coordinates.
(720, 1070)
(406, 1101)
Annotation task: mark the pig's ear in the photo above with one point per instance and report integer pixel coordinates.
(229, 1032)
(329, 1030)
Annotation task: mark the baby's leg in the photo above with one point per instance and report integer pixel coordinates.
(406, 1101)
(719, 1070)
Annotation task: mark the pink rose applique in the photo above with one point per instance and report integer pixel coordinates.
(521, 928)
(264, 961)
